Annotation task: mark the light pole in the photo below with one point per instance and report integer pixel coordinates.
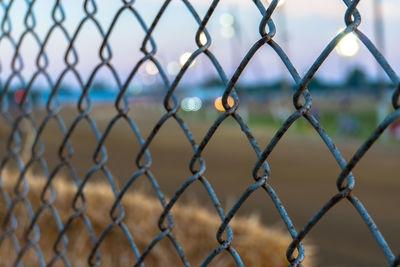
(283, 29)
(381, 107)
(283, 111)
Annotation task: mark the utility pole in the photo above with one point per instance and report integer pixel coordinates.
(381, 105)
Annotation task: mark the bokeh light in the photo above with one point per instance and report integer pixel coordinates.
(151, 68)
(185, 57)
(218, 103)
(280, 3)
(19, 95)
(226, 20)
(203, 38)
(227, 32)
(191, 103)
(348, 46)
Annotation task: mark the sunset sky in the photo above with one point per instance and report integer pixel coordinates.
(310, 25)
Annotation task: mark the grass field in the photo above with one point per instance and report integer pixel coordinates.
(303, 173)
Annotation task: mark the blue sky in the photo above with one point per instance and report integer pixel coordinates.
(310, 25)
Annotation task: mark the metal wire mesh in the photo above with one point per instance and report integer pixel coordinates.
(302, 102)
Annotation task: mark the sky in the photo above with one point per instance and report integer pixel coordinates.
(308, 25)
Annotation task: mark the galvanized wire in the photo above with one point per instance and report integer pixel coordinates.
(302, 102)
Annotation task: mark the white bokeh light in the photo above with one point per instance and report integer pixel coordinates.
(348, 46)
(151, 68)
(203, 38)
(226, 20)
(280, 3)
(227, 32)
(191, 104)
(185, 57)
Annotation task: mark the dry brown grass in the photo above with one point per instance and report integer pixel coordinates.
(194, 228)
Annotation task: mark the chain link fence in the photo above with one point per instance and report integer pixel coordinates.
(20, 117)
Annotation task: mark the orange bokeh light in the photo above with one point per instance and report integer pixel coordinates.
(218, 103)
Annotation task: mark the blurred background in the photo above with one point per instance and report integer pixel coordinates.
(351, 96)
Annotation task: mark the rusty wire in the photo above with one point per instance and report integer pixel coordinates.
(302, 102)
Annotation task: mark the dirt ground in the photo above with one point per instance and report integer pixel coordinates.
(303, 173)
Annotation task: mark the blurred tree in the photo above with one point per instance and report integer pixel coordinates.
(356, 79)
(317, 84)
(100, 87)
(213, 82)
